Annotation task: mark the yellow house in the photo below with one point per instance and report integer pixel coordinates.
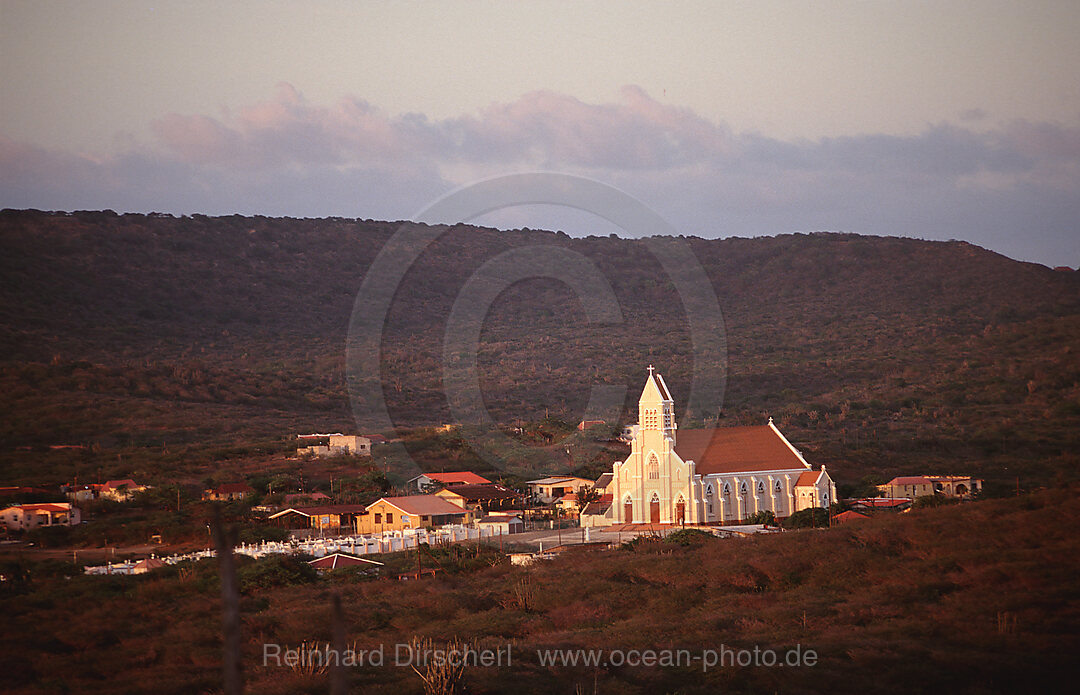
(414, 511)
(911, 487)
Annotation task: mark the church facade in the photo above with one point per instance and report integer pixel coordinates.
(707, 476)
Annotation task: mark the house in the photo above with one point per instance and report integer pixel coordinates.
(849, 516)
(120, 490)
(336, 561)
(586, 424)
(23, 517)
(337, 444)
(501, 524)
(414, 511)
(144, 566)
(955, 485)
(429, 481)
(80, 493)
(628, 433)
(911, 487)
(597, 513)
(705, 476)
(481, 497)
(332, 519)
(888, 504)
(228, 492)
(547, 490)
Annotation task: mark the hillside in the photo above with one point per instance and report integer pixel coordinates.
(972, 598)
(875, 355)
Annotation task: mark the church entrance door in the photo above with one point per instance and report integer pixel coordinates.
(680, 513)
(654, 510)
(628, 512)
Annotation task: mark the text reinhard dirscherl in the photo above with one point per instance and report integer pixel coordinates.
(408, 655)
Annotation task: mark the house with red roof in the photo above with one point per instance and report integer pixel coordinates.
(413, 511)
(425, 482)
(120, 490)
(23, 517)
(849, 516)
(708, 476)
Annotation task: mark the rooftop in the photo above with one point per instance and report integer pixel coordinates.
(735, 449)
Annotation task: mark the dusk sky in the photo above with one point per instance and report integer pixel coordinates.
(935, 120)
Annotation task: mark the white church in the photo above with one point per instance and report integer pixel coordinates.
(706, 476)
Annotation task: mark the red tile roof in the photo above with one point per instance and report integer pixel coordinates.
(808, 479)
(422, 505)
(116, 484)
(488, 491)
(44, 507)
(844, 517)
(458, 477)
(876, 502)
(909, 480)
(735, 449)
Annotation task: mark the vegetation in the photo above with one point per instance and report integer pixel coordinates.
(176, 346)
(967, 598)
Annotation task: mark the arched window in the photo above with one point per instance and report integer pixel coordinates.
(727, 489)
(708, 491)
(652, 469)
(761, 488)
(777, 488)
(743, 489)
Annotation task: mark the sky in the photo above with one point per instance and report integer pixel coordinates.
(936, 120)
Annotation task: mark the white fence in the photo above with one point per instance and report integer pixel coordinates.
(386, 542)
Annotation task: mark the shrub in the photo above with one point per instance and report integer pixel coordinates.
(815, 517)
(279, 570)
(689, 536)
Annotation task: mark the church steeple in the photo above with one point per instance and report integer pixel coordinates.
(656, 410)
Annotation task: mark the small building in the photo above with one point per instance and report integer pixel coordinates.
(147, 565)
(955, 485)
(501, 524)
(336, 444)
(486, 497)
(80, 493)
(425, 482)
(23, 517)
(888, 504)
(849, 516)
(120, 490)
(332, 519)
(228, 492)
(414, 511)
(598, 513)
(911, 487)
(547, 490)
(586, 424)
(336, 561)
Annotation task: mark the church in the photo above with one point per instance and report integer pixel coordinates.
(706, 476)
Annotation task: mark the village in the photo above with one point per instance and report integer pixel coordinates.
(727, 482)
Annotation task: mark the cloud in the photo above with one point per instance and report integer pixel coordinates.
(286, 156)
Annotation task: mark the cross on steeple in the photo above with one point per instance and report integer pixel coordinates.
(651, 370)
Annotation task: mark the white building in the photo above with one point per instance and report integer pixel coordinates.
(721, 475)
(30, 516)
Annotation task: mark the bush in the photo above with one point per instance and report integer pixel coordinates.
(279, 570)
(689, 536)
(815, 517)
(929, 501)
(763, 517)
